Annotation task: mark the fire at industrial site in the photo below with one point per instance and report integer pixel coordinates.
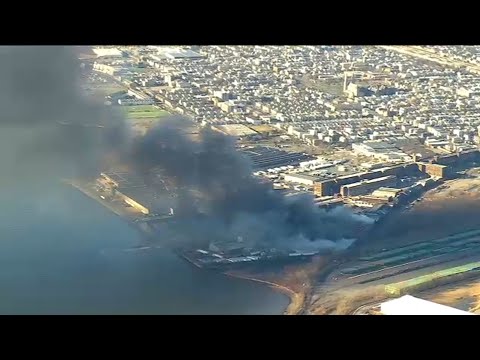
(325, 209)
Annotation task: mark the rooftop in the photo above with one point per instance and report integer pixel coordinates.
(301, 176)
(107, 52)
(235, 130)
(372, 181)
(410, 305)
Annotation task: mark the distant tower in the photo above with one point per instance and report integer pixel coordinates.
(351, 76)
(345, 80)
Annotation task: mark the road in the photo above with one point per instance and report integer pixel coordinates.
(327, 292)
(365, 309)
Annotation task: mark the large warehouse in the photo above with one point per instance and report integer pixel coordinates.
(367, 186)
(134, 192)
(301, 179)
(410, 305)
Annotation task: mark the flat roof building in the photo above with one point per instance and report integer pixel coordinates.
(107, 52)
(410, 305)
(301, 179)
(367, 186)
(134, 192)
(386, 192)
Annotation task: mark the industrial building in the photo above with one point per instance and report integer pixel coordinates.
(176, 53)
(456, 158)
(332, 186)
(367, 186)
(105, 69)
(380, 150)
(441, 166)
(135, 204)
(107, 52)
(301, 179)
(227, 246)
(367, 202)
(133, 191)
(410, 305)
(386, 192)
(435, 170)
(263, 157)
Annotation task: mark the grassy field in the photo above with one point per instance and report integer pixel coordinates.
(144, 112)
(109, 89)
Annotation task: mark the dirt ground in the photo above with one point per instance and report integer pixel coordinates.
(299, 279)
(452, 208)
(345, 302)
(465, 295)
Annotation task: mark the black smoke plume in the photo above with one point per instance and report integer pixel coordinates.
(48, 128)
(233, 203)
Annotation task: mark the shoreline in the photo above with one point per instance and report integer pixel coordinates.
(95, 197)
(297, 300)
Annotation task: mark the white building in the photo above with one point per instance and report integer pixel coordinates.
(410, 305)
(107, 52)
(103, 68)
(380, 150)
(301, 179)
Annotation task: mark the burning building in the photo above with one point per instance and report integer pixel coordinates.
(133, 191)
(232, 202)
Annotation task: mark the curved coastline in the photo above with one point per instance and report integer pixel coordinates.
(295, 307)
(296, 300)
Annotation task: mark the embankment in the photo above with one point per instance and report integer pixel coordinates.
(93, 195)
(297, 299)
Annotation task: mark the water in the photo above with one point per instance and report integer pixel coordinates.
(63, 253)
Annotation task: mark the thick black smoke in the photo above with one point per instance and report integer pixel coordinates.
(48, 128)
(233, 202)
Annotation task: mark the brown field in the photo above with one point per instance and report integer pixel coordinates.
(263, 128)
(453, 208)
(298, 280)
(466, 293)
(345, 302)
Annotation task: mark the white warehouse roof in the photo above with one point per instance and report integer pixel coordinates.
(410, 305)
(107, 52)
